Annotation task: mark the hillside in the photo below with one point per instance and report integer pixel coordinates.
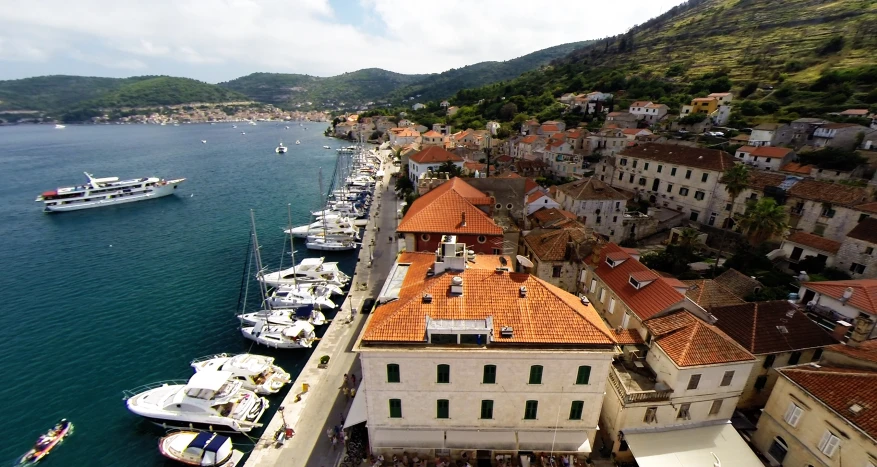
(51, 93)
(164, 90)
(374, 84)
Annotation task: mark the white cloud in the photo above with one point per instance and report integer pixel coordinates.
(303, 36)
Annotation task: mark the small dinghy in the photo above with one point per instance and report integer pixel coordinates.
(47, 442)
(203, 449)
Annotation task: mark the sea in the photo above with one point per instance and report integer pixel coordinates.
(98, 301)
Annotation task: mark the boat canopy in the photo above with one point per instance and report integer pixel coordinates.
(298, 328)
(208, 380)
(199, 441)
(311, 262)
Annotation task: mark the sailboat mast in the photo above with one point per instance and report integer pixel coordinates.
(291, 241)
(260, 271)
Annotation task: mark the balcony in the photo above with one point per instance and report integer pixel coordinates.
(637, 384)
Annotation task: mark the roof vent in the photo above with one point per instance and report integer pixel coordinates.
(856, 409)
(427, 298)
(506, 331)
(783, 329)
(463, 222)
(848, 293)
(457, 285)
(523, 291)
(790, 313)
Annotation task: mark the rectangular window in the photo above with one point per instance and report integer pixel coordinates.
(728, 207)
(857, 268)
(593, 285)
(684, 412)
(584, 375)
(716, 407)
(612, 305)
(687, 174)
(575, 410)
(794, 358)
(623, 161)
(816, 354)
(683, 191)
(673, 172)
(694, 215)
(393, 373)
(651, 415)
(646, 166)
(535, 374)
(869, 250)
(726, 379)
(530, 410)
(793, 414)
(443, 374)
(486, 410)
(642, 181)
(442, 408)
(631, 178)
(819, 229)
(634, 163)
(660, 168)
(620, 176)
(395, 408)
(602, 295)
(699, 195)
(828, 444)
(760, 382)
(556, 270)
(768, 361)
(693, 381)
(704, 177)
(669, 188)
(489, 374)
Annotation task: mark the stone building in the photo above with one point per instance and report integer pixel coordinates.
(558, 254)
(856, 254)
(596, 204)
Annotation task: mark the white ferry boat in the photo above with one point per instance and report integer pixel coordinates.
(105, 192)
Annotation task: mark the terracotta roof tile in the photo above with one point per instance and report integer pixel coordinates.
(708, 293)
(547, 315)
(834, 193)
(864, 292)
(689, 341)
(529, 139)
(839, 389)
(551, 217)
(549, 127)
(866, 351)
(535, 196)
(432, 134)
(770, 327)
(441, 209)
(435, 154)
(771, 152)
(644, 276)
(589, 189)
(867, 207)
(814, 241)
(866, 230)
(738, 283)
(529, 184)
(645, 301)
(797, 167)
(707, 159)
(628, 336)
(572, 242)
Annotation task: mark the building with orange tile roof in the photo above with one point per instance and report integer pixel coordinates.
(820, 415)
(800, 245)
(453, 208)
(429, 160)
(596, 204)
(765, 157)
(463, 354)
(849, 306)
(539, 200)
(558, 253)
(856, 252)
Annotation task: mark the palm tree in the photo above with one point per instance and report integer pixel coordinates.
(736, 179)
(763, 220)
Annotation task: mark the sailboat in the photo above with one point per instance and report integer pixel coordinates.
(325, 242)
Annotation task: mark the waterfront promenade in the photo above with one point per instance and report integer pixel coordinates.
(323, 404)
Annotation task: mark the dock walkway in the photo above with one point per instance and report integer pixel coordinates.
(323, 405)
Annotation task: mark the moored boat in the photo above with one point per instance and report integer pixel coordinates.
(47, 442)
(258, 372)
(203, 449)
(107, 191)
(299, 335)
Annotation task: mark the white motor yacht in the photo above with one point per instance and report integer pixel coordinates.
(107, 191)
(293, 296)
(200, 448)
(309, 270)
(258, 373)
(210, 399)
(326, 147)
(280, 149)
(60, 127)
(336, 224)
(328, 244)
(283, 316)
(296, 141)
(299, 335)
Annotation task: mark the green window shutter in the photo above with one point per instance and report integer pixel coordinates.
(393, 373)
(442, 408)
(489, 374)
(486, 409)
(584, 375)
(443, 374)
(530, 410)
(536, 374)
(395, 408)
(575, 410)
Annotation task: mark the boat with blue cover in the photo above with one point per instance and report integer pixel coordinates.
(203, 449)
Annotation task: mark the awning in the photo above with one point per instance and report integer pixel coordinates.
(358, 412)
(719, 445)
(481, 439)
(562, 441)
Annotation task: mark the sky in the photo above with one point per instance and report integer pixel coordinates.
(219, 40)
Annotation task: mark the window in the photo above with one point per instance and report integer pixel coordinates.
(828, 444)
(694, 215)
(614, 219)
(683, 191)
(827, 211)
(869, 250)
(816, 355)
(687, 174)
(634, 163)
(857, 268)
(612, 305)
(673, 172)
(486, 410)
(482, 239)
(620, 176)
(535, 374)
(684, 412)
(819, 229)
(793, 414)
(726, 379)
(623, 161)
(794, 358)
(393, 373)
(424, 237)
(602, 295)
(618, 205)
(768, 361)
(556, 270)
(443, 374)
(778, 449)
(642, 181)
(599, 219)
(442, 408)
(669, 188)
(489, 375)
(584, 375)
(593, 285)
(760, 382)
(646, 166)
(699, 195)
(530, 410)
(660, 168)
(693, 381)
(575, 410)
(395, 408)
(631, 178)
(704, 177)
(716, 407)
(651, 415)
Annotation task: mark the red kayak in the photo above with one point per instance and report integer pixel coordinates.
(47, 442)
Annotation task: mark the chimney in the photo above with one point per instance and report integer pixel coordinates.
(862, 328)
(840, 331)
(463, 216)
(848, 293)
(457, 285)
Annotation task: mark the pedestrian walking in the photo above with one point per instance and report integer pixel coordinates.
(345, 438)
(330, 433)
(352, 380)
(352, 392)
(344, 382)
(342, 419)
(346, 392)
(334, 442)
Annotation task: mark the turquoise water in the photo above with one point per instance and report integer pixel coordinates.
(102, 300)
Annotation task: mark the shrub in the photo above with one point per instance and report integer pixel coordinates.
(833, 45)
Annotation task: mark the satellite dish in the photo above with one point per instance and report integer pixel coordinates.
(525, 261)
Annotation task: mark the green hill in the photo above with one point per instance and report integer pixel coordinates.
(164, 90)
(51, 93)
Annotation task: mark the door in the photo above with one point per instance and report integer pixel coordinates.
(796, 254)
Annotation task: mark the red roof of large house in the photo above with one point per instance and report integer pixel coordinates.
(864, 292)
(708, 159)
(646, 301)
(442, 210)
(432, 134)
(770, 327)
(866, 351)
(544, 315)
(797, 167)
(814, 241)
(433, 155)
(550, 127)
(689, 341)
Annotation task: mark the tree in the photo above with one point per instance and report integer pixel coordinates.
(736, 179)
(507, 112)
(450, 168)
(763, 220)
